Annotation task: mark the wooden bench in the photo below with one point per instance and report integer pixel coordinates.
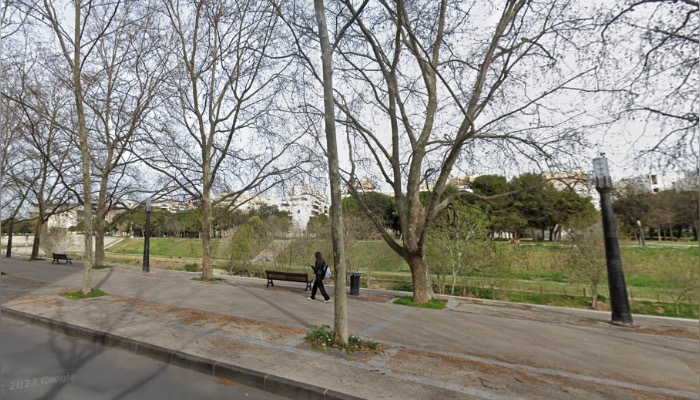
(57, 257)
(287, 276)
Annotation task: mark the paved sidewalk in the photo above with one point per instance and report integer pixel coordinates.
(239, 330)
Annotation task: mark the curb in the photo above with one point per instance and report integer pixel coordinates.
(259, 380)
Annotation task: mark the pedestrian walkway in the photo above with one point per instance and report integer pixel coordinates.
(475, 349)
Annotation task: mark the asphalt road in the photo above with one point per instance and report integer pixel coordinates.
(36, 363)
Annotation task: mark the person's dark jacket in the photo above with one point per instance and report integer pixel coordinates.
(320, 269)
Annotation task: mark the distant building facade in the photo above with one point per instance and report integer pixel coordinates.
(302, 203)
(360, 186)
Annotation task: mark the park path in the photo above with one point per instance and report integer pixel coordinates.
(472, 350)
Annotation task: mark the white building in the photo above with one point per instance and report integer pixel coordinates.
(689, 181)
(248, 202)
(657, 182)
(303, 203)
(66, 219)
(172, 206)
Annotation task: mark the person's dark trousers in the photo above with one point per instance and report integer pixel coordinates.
(318, 284)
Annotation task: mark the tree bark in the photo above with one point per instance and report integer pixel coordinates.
(37, 238)
(594, 297)
(99, 236)
(422, 286)
(207, 223)
(84, 153)
(340, 328)
(8, 250)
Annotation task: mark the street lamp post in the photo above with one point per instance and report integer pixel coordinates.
(619, 301)
(147, 237)
(641, 233)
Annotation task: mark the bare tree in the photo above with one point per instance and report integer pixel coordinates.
(45, 170)
(429, 88)
(650, 53)
(340, 328)
(218, 132)
(75, 47)
(126, 72)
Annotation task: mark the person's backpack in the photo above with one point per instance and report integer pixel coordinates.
(327, 273)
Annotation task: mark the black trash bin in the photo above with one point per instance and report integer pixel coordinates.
(355, 283)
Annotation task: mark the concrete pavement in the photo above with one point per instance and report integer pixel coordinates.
(475, 349)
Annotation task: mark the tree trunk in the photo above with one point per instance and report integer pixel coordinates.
(37, 238)
(84, 150)
(340, 327)
(8, 251)
(422, 287)
(207, 223)
(594, 297)
(100, 236)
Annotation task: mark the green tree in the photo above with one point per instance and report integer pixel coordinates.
(503, 216)
(240, 248)
(685, 206)
(573, 211)
(632, 207)
(587, 259)
(383, 207)
(457, 231)
(319, 226)
(535, 199)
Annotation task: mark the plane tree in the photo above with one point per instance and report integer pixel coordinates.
(424, 88)
(217, 131)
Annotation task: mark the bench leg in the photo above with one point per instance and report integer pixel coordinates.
(308, 285)
(269, 283)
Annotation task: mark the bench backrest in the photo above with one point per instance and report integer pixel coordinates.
(59, 255)
(288, 276)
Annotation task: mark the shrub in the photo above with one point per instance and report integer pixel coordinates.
(191, 267)
(321, 338)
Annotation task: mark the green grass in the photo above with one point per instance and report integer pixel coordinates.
(653, 272)
(551, 299)
(435, 304)
(97, 266)
(664, 309)
(172, 247)
(637, 307)
(79, 295)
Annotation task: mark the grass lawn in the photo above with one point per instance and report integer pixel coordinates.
(532, 272)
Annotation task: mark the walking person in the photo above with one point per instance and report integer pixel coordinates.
(320, 268)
